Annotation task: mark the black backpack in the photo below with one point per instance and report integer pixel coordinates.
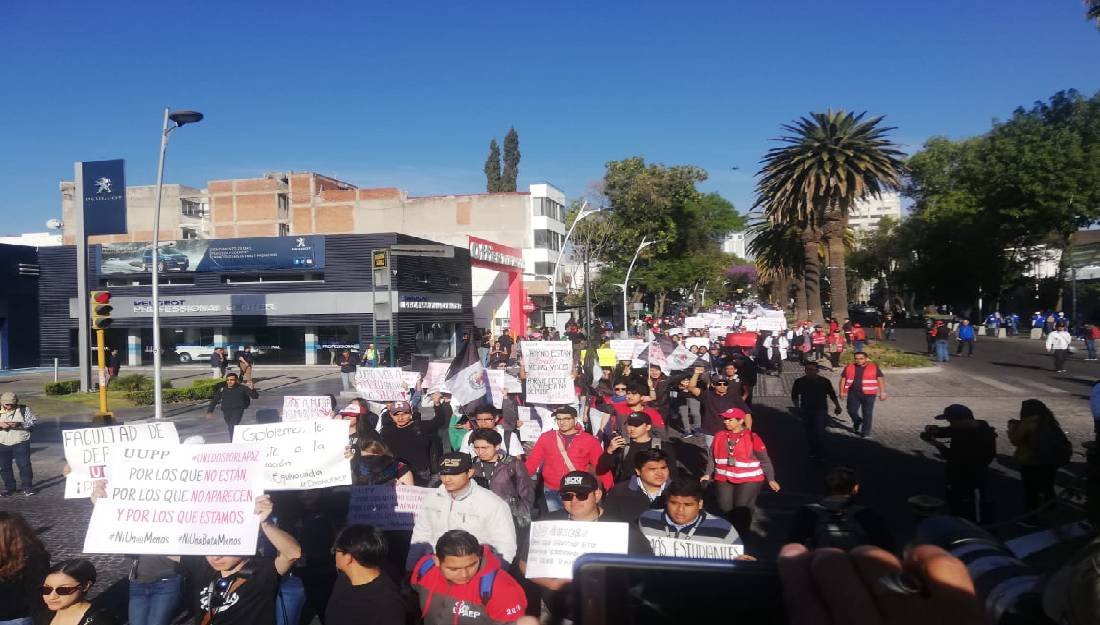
(836, 527)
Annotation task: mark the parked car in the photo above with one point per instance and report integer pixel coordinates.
(201, 353)
(167, 260)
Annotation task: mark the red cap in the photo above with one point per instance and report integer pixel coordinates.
(733, 413)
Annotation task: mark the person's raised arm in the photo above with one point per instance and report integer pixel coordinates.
(289, 551)
(693, 385)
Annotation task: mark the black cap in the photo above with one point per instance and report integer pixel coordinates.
(639, 418)
(569, 410)
(455, 463)
(578, 482)
(956, 412)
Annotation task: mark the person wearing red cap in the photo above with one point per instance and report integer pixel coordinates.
(739, 465)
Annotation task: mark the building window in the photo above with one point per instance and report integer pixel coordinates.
(253, 278)
(545, 207)
(188, 233)
(191, 208)
(544, 269)
(145, 281)
(435, 340)
(452, 281)
(284, 206)
(424, 278)
(284, 230)
(548, 239)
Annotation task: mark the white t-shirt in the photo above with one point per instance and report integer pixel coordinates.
(508, 445)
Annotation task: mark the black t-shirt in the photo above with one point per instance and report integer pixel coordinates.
(249, 603)
(813, 393)
(376, 603)
(714, 405)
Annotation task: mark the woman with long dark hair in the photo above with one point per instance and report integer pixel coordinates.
(65, 593)
(1040, 449)
(23, 565)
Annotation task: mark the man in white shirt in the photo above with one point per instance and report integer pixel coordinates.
(486, 417)
(1058, 342)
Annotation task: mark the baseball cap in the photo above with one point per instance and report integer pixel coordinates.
(455, 463)
(955, 412)
(400, 406)
(639, 418)
(719, 377)
(578, 482)
(733, 413)
(569, 410)
(9, 398)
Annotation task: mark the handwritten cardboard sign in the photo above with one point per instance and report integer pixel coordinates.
(501, 383)
(389, 507)
(549, 367)
(190, 500)
(300, 455)
(626, 349)
(669, 547)
(306, 407)
(555, 545)
(88, 450)
(381, 384)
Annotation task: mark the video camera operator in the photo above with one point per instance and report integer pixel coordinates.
(972, 446)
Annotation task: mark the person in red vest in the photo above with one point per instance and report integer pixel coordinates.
(835, 341)
(817, 338)
(862, 383)
(739, 465)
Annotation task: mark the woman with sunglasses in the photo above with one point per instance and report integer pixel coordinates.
(65, 593)
(23, 564)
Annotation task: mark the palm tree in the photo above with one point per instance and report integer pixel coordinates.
(1092, 10)
(830, 161)
(777, 249)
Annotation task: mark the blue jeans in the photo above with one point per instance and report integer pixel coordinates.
(347, 379)
(26, 620)
(814, 421)
(861, 408)
(155, 603)
(1090, 345)
(21, 454)
(289, 601)
(941, 351)
(553, 500)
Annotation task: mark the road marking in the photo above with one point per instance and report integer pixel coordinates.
(1044, 387)
(995, 383)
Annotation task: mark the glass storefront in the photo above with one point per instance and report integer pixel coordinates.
(331, 340)
(436, 340)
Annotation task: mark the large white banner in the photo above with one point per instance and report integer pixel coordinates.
(556, 544)
(669, 547)
(307, 407)
(300, 455)
(88, 450)
(692, 323)
(381, 383)
(197, 500)
(549, 367)
(626, 349)
(500, 383)
(390, 507)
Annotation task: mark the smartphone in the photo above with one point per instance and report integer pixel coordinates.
(652, 590)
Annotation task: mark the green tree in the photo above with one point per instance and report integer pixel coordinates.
(829, 162)
(1092, 10)
(511, 161)
(492, 168)
(779, 256)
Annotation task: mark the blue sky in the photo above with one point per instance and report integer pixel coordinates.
(409, 94)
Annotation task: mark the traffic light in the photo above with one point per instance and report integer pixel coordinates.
(101, 310)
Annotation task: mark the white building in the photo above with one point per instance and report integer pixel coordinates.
(736, 243)
(866, 214)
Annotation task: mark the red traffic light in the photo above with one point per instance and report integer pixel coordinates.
(101, 297)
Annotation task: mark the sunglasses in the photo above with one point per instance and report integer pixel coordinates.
(721, 383)
(620, 388)
(572, 496)
(64, 591)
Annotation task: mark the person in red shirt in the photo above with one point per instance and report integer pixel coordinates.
(739, 465)
(636, 394)
(566, 449)
(859, 337)
(463, 582)
(1092, 333)
(817, 338)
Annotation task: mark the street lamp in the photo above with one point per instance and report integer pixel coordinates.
(179, 118)
(584, 212)
(626, 282)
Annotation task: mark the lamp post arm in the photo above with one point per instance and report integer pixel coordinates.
(158, 407)
(554, 277)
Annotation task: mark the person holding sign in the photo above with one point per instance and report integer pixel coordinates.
(739, 465)
(566, 449)
(461, 503)
(234, 398)
(464, 582)
(683, 519)
(241, 590)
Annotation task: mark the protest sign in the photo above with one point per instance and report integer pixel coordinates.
(549, 367)
(306, 407)
(669, 547)
(181, 500)
(300, 455)
(500, 383)
(657, 357)
(381, 384)
(697, 341)
(605, 357)
(389, 507)
(436, 376)
(693, 323)
(674, 331)
(626, 349)
(681, 358)
(411, 378)
(87, 450)
(773, 324)
(530, 428)
(556, 544)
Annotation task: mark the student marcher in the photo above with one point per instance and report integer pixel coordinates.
(460, 503)
(683, 517)
(716, 399)
(363, 594)
(465, 582)
(234, 399)
(241, 590)
(486, 416)
(560, 451)
(838, 521)
(645, 490)
(862, 383)
(65, 593)
(16, 423)
(24, 562)
(739, 465)
(811, 394)
(413, 440)
(618, 459)
(504, 475)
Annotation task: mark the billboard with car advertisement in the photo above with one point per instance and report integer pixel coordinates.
(216, 255)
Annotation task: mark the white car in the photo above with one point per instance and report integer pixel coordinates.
(201, 353)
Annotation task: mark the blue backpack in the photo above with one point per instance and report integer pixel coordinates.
(484, 587)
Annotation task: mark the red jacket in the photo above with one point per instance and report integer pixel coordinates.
(622, 410)
(444, 602)
(859, 334)
(584, 451)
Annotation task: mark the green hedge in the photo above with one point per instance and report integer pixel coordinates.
(136, 382)
(64, 387)
(199, 390)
